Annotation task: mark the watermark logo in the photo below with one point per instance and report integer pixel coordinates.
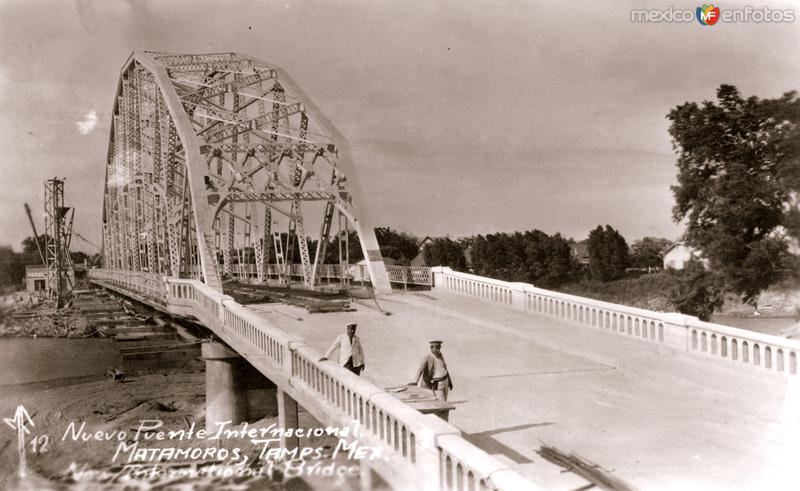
(707, 15)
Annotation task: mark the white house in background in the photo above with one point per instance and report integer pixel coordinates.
(679, 253)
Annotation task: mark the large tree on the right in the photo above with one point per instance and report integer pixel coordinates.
(738, 178)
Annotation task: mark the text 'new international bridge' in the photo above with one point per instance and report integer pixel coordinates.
(220, 168)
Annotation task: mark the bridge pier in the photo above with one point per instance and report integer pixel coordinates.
(226, 396)
(287, 418)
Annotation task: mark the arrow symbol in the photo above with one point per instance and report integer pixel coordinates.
(18, 422)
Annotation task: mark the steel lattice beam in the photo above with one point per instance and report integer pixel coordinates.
(58, 232)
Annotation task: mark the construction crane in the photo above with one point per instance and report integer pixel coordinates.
(76, 234)
(35, 235)
(55, 253)
(99, 249)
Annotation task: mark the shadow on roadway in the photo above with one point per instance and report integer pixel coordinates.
(485, 441)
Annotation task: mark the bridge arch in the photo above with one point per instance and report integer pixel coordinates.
(210, 154)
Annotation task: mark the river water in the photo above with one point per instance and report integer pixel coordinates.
(763, 324)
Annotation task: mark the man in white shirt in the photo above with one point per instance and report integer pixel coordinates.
(351, 354)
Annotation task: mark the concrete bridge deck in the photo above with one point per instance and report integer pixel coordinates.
(656, 419)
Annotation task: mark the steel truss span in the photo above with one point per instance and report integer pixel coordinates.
(211, 155)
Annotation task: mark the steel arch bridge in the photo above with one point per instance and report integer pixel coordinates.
(213, 153)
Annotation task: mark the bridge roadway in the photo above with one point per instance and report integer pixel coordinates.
(655, 418)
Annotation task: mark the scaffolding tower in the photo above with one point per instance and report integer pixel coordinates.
(58, 235)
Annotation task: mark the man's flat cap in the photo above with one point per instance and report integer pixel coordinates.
(352, 324)
(435, 341)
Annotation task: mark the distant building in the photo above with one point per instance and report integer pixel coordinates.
(35, 278)
(679, 253)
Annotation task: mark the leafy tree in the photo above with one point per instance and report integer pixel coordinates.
(29, 244)
(532, 257)
(445, 252)
(354, 248)
(11, 269)
(738, 177)
(699, 293)
(501, 256)
(549, 261)
(478, 255)
(608, 254)
(514, 268)
(12, 265)
(646, 252)
(400, 246)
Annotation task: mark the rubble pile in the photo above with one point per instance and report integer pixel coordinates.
(42, 321)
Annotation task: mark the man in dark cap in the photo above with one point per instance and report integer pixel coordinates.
(433, 374)
(351, 354)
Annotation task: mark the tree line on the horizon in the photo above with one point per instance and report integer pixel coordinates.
(536, 257)
(550, 261)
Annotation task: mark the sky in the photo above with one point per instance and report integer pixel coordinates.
(463, 117)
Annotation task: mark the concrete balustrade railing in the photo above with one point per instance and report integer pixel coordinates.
(271, 342)
(419, 451)
(741, 346)
(407, 440)
(435, 448)
(679, 332)
(180, 292)
(629, 321)
(463, 468)
(474, 286)
(149, 285)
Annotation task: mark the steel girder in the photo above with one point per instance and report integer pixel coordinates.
(203, 149)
